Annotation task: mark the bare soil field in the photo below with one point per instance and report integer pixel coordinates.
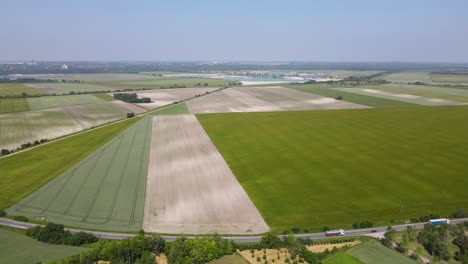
(22, 127)
(163, 97)
(278, 256)
(190, 188)
(321, 248)
(264, 99)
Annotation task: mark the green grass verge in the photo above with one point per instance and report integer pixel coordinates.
(104, 191)
(315, 168)
(22, 173)
(342, 258)
(13, 105)
(17, 89)
(373, 252)
(351, 97)
(19, 249)
(449, 78)
(177, 109)
(104, 96)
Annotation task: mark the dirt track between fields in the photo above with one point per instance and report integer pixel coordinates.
(190, 188)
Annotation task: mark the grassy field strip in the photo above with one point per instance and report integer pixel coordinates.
(268, 98)
(170, 81)
(407, 77)
(317, 168)
(342, 258)
(178, 109)
(361, 99)
(20, 249)
(373, 252)
(430, 88)
(190, 189)
(168, 96)
(76, 87)
(104, 96)
(450, 78)
(46, 102)
(24, 172)
(105, 197)
(17, 89)
(19, 128)
(13, 105)
(421, 100)
(43, 89)
(423, 93)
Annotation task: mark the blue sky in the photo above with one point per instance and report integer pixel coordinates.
(255, 30)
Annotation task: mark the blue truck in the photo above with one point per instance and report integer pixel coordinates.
(439, 221)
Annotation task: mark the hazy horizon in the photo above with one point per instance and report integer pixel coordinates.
(264, 31)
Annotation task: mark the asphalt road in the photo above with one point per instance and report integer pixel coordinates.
(354, 232)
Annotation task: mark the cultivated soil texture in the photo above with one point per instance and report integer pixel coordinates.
(264, 99)
(104, 191)
(190, 189)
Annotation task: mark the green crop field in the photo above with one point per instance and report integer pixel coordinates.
(13, 105)
(449, 78)
(77, 87)
(22, 173)
(351, 97)
(177, 109)
(317, 168)
(45, 102)
(407, 77)
(105, 191)
(373, 252)
(19, 249)
(104, 96)
(7, 90)
(342, 258)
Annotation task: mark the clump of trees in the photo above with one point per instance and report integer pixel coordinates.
(434, 240)
(131, 98)
(56, 234)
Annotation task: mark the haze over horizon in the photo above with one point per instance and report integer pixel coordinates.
(365, 30)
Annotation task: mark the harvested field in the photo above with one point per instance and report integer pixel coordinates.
(421, 100)
(20, 249)
(190, 189)
(17, 89)
(309, 169)
(264, 99)
(450, 78)
(168, 96)
(103, 191)
(420, 90)
(321, 248)
(22, 127)
(407, 77)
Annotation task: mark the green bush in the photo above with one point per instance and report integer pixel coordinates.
(21, 218)
(2, 213)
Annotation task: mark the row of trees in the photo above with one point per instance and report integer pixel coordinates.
(56, 234)
(4, 152)
(131, 98)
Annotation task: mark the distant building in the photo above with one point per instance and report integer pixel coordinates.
(64, 67)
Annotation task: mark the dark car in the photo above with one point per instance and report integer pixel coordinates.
(373, 231)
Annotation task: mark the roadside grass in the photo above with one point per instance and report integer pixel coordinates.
(103, 191)
(331, 168)
(374, 252)
(18, 248)
(371, 101)
(13, 105)
(449, 78)
(46, 102)
(177, 109)
(342, 258)
(430, 94)
(104, 96)
(23, 173)
(17, 89)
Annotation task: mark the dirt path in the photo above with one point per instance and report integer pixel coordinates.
(190, 188)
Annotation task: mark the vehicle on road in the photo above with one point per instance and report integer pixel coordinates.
(332, 233)
(373, 231)
(440, 221)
